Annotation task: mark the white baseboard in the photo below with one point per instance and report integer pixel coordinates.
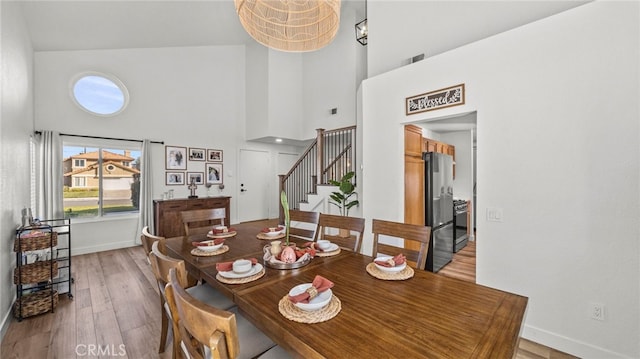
(568, 345)
(6, 320)
(101, 248)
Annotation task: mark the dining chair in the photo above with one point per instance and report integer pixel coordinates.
(201, 221)
(331, 222)
(206, 331)
(419, 235)
(161, 264)
(148, 239)
(304, 224)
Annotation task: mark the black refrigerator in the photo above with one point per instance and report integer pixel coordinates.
(439, 208)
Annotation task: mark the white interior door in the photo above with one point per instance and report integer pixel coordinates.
(255, 175)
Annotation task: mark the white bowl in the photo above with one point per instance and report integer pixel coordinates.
(389, 269)
(316, 303)
(274, 231)
(324, 244)
(242, 266)
(210, 248)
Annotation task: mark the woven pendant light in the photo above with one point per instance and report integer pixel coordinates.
(290, 25)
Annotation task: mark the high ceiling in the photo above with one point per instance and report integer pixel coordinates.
(95, 24)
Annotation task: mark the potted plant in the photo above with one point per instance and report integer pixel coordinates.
(342, 199)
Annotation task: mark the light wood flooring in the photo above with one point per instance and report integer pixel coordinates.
(116, 306)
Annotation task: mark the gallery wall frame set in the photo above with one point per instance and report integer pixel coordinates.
(177, 158)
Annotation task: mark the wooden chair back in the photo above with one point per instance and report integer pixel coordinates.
(148, 239)
(351, 224)
(201, 221)
(200, 325)
(161, 264)
(306, 224)
(409, 232)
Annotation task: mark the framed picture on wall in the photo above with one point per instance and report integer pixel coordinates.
(197, 177)
(196, 154)
(214, 156)
(176, 158)
(174, 178)
(213, 171)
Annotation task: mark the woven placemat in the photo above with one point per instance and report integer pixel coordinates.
(264, 236)
(291, 312)
(406, 273)
(200, 253)
(328, 254)
(248, 279)
(222, 235)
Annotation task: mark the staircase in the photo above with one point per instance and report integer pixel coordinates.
(331, 155)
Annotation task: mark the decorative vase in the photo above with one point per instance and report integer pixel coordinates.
(276, 248)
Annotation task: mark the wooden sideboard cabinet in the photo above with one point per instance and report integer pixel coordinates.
(168, 222)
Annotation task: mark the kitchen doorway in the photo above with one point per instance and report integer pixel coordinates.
(460, 131)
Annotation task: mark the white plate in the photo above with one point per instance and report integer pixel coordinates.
(314, 304)
(233, 275)
(272, 234)
(332, 247)
(209, 248)
(389, 269)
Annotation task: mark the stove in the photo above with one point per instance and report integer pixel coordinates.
(460, 237)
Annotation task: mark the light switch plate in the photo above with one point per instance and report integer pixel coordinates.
(494, 214)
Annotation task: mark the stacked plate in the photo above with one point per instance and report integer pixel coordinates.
(208, 246)
(393, 269)
(317, 303)
(234, 274)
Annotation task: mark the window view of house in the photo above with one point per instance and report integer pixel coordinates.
(99, 181)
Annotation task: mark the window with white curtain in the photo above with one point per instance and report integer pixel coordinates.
(100, 179)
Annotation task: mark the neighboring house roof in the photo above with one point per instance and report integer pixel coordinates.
(106, 156)
(95, 165)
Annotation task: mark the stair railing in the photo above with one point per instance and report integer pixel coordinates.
(335, 148)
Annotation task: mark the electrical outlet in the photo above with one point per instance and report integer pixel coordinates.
(597, 311)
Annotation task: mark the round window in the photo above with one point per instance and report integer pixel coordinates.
(99, 94)
(111, 167)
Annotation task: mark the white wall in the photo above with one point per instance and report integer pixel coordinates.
(285, 107)
(463, 183)
(188, 96)
(558, 149)
(330, 79)
(400, 29)
(16, 125)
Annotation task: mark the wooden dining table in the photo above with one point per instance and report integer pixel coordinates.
(425, 316)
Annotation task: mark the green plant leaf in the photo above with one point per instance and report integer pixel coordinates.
(287, 221)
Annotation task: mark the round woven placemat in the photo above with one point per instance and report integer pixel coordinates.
(222, 235)
(406, 273)
(200, 253)
(264, 236)
(248, 279)
(291, 312)
(328, 254)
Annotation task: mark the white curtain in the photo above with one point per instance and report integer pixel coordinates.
(146, 189)
(49, 180)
